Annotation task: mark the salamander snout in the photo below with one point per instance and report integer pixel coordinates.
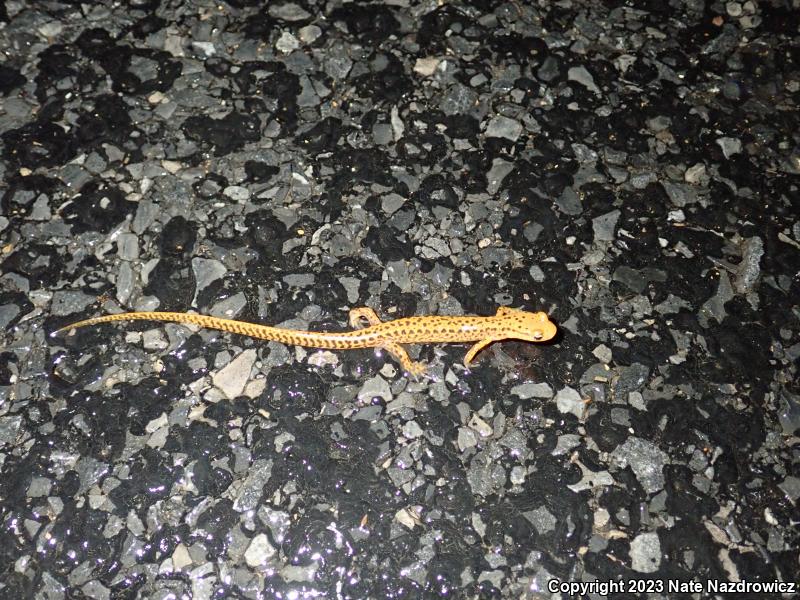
(529, 326)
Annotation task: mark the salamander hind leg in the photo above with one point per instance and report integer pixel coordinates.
(475, 349)
(413, 368)
(358, 316)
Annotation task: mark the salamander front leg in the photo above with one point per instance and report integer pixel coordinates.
(475, 349)
(413, 368)
(359, 315)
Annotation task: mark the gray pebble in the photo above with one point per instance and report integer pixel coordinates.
(391, 203)
(206, 272)
(582, 76)
(542, 519)
(299, 280)
(412, 430)
(124, 282)
(604, 226)
(568, 400)
(715, 306)
(532, 232)
(41, 209)
(259, 551)
(39, 486)
(250, 492)
(503, 127)
(641, 180)
(146, 213)
(9, 428)
(565, 443)
(467, 438)
(232, 378)
(637, 280)
(532, 390)
(485, 476)
(310, 33)
(128, 246)
(569, 203)
(645, 459)
(382, 134)
(680, 194)
(695, 174)
(237, 193)
(67, 302)
(549, 69)
(376, 387)
(288, 12)
(645, 553)
(730, 146)
(458, 100)
(603, 353)
(734, 9)
(337, 66)
(630, 379)
(500, 168)
(791, 487)
(749, 268)
(496, 257)
(8, 312)
(536, 274)
(229, 307)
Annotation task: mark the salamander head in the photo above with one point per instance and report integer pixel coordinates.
(528, 326)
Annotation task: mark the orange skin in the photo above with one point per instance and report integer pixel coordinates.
(507, 324)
